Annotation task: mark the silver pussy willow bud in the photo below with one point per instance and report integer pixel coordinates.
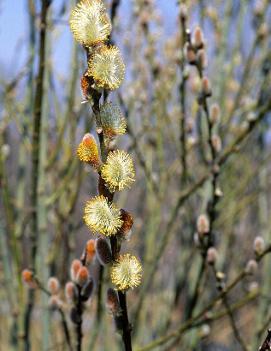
(214, 114)
(202, 59)
(190, 54)
(212, 255)
(206, 87)
(53, 285)
(258, 245)
(251, 267)
(216, 143)
(71, 292)
(203, 225)
(197, 38)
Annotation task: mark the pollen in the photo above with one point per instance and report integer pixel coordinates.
(118, 171)
(87, 151)
(89, 22)
(112, 120)
(107, 68)
(102, 217)
(126, 272)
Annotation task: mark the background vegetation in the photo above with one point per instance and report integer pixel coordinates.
(184, 303)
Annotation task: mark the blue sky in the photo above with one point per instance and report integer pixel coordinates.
(14, 32)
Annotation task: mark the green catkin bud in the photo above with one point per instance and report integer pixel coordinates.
(111, 120)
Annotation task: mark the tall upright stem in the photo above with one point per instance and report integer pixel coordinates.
(38, 102)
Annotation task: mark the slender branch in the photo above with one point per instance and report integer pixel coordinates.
(190, 322)
(114, 9)
(79, 314)
(38, 102)
(126, 332)
(126, 326)
(266, 346)
(65, 328)
(182, 90)
(233, 324)
(61, 312)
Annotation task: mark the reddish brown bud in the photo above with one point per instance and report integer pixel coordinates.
(90, 251)
(112, 301)
(28, 278)
(128, 222)
(103, 251)
(82, 276)
(87, 290)
(86, 86)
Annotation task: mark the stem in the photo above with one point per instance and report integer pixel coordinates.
(78, 328)
(182, 90)
(176, 334)
(126, 326)
(194, 298)
(267, 342)
(126, 332)
(65, 329)
(100, 293)
(38, 102)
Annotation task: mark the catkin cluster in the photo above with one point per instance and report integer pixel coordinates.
(92, 27)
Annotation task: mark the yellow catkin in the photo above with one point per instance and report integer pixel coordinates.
(126, 272)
